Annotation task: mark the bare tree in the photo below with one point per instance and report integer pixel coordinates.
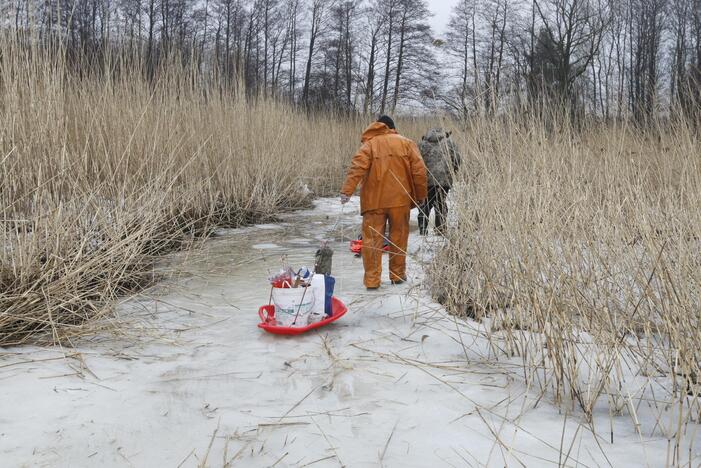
(572, 31)
(376, 22)
(495, 14)
(339, 47)
(461, 42)
(293, 17)
(646, 31)
(318, 9)
(413, 32)
(389, 10)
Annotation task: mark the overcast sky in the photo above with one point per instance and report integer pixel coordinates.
(441, 8)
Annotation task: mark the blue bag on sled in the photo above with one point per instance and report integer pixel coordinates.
(329, 283)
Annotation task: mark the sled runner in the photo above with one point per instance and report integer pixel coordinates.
(269, 324)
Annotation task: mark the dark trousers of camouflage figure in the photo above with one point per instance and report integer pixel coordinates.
(436, 201)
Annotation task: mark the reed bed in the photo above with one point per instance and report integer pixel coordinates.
(99, 175)
(579, 253)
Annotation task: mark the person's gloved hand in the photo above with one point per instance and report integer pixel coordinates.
(344, 199)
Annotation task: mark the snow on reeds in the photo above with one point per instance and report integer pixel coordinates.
(100, 174)
(580, 254)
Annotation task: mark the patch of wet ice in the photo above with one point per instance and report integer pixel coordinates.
(299, 241)
(265, 246)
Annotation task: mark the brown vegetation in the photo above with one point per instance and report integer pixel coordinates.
(579, 252)
(98, 175)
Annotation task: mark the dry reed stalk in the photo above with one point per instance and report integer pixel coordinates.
(100, 175)
(582, 248)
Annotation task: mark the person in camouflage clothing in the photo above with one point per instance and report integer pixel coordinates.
(442, 159)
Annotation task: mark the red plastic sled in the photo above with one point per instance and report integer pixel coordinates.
(267, 317)
(356, 246)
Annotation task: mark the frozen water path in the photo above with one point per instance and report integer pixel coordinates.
(395, 383)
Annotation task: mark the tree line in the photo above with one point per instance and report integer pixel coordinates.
(613, 59)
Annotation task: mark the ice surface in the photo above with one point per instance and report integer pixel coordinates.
(299, 241)
(395, 383)
(265, 246)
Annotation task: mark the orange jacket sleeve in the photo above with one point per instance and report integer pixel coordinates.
(359, 168)
(418, 173)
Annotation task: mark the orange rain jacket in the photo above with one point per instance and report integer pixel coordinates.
(389, 169)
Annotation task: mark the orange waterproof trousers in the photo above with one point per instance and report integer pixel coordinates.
(374, 222)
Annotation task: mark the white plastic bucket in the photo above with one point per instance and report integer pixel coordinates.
(291, 304)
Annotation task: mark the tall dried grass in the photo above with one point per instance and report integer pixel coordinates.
(100, 174)
(580, 254)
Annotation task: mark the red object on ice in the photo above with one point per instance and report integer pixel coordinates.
(356, 246)
(267, 317)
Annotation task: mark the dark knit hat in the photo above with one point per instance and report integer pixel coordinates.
(387, 120)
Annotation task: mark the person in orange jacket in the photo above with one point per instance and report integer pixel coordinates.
(392, 178)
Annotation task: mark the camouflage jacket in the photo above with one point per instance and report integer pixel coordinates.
(441, 157)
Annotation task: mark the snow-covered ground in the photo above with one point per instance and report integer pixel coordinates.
(397, 382)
